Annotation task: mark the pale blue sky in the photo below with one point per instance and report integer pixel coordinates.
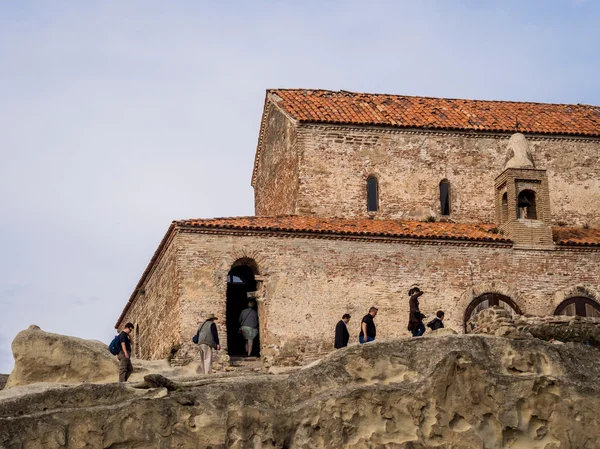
(118, 117)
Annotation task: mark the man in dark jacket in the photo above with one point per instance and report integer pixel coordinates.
(368, 332)
(208, 339)
(124, 355)
(415, 318)
(341, 332)
(437, 322)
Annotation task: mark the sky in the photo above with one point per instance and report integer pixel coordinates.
(118, 117)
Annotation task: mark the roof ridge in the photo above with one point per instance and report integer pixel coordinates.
(343, 91)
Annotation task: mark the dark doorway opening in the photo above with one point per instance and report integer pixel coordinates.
(240, 281)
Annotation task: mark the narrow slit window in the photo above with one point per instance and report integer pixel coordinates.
(372, 194)
(445, 197)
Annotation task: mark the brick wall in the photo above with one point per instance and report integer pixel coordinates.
(335, 162)
(309, 283)
(156, 313)
(276, 177)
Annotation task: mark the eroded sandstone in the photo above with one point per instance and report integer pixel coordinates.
(455, 392)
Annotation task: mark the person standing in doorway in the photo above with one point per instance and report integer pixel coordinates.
(368, 332)
(415, 318)
(249, 325)
(124, 355)
(208, 339)
(342, 336)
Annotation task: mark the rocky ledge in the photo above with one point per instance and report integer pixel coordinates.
(456, 391)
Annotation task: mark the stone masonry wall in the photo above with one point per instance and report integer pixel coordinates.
(156, 312)
(276, 186)
(336, 161)
(307, 284)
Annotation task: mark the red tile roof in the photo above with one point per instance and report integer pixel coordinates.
(576, 236)
(355, 227)
(322, 106)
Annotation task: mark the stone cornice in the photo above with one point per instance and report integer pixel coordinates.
(438, 132)
(348, 237)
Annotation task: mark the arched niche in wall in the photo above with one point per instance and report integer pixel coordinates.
(579, 306)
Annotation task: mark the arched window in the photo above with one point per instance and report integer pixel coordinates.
(445, 197)
(504, 210)
(486, 300)
(579, 306)
(526, 205)
(372, 194)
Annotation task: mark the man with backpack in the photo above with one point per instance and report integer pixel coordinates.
(124, 355)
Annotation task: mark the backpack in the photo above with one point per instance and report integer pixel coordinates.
(114, 347)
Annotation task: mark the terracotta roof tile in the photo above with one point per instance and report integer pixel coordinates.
(359, 226)
(322, 106)
(576, 236)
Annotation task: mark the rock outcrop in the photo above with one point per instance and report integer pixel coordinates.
(3, 380)
(456, 391)
(501, 323)
(46, 357)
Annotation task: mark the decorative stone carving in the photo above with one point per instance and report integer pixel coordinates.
(518, 153)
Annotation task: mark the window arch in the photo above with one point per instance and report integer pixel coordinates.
(526, 207)
(580, 306)
(487, 300)
(372, 194)
(504, 208)
(445, 197)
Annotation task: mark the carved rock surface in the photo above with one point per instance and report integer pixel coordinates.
(459, 392)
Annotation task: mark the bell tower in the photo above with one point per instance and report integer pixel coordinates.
(522, 198)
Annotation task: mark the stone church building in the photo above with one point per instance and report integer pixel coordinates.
(358, 197)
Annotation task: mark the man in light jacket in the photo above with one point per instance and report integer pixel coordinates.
(208, 339)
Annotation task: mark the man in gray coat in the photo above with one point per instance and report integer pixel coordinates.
(208, 339)
(249, 325)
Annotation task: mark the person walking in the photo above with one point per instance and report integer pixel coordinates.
(342, 336)
(415, 319)
(437, 322)
(208, 339)
(249, 325)
(368, 331)
(124, 355)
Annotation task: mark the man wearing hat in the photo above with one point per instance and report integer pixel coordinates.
(208, 339)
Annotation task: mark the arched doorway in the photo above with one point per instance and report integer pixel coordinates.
(486, 300)
(240, 281)
(580, 306)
